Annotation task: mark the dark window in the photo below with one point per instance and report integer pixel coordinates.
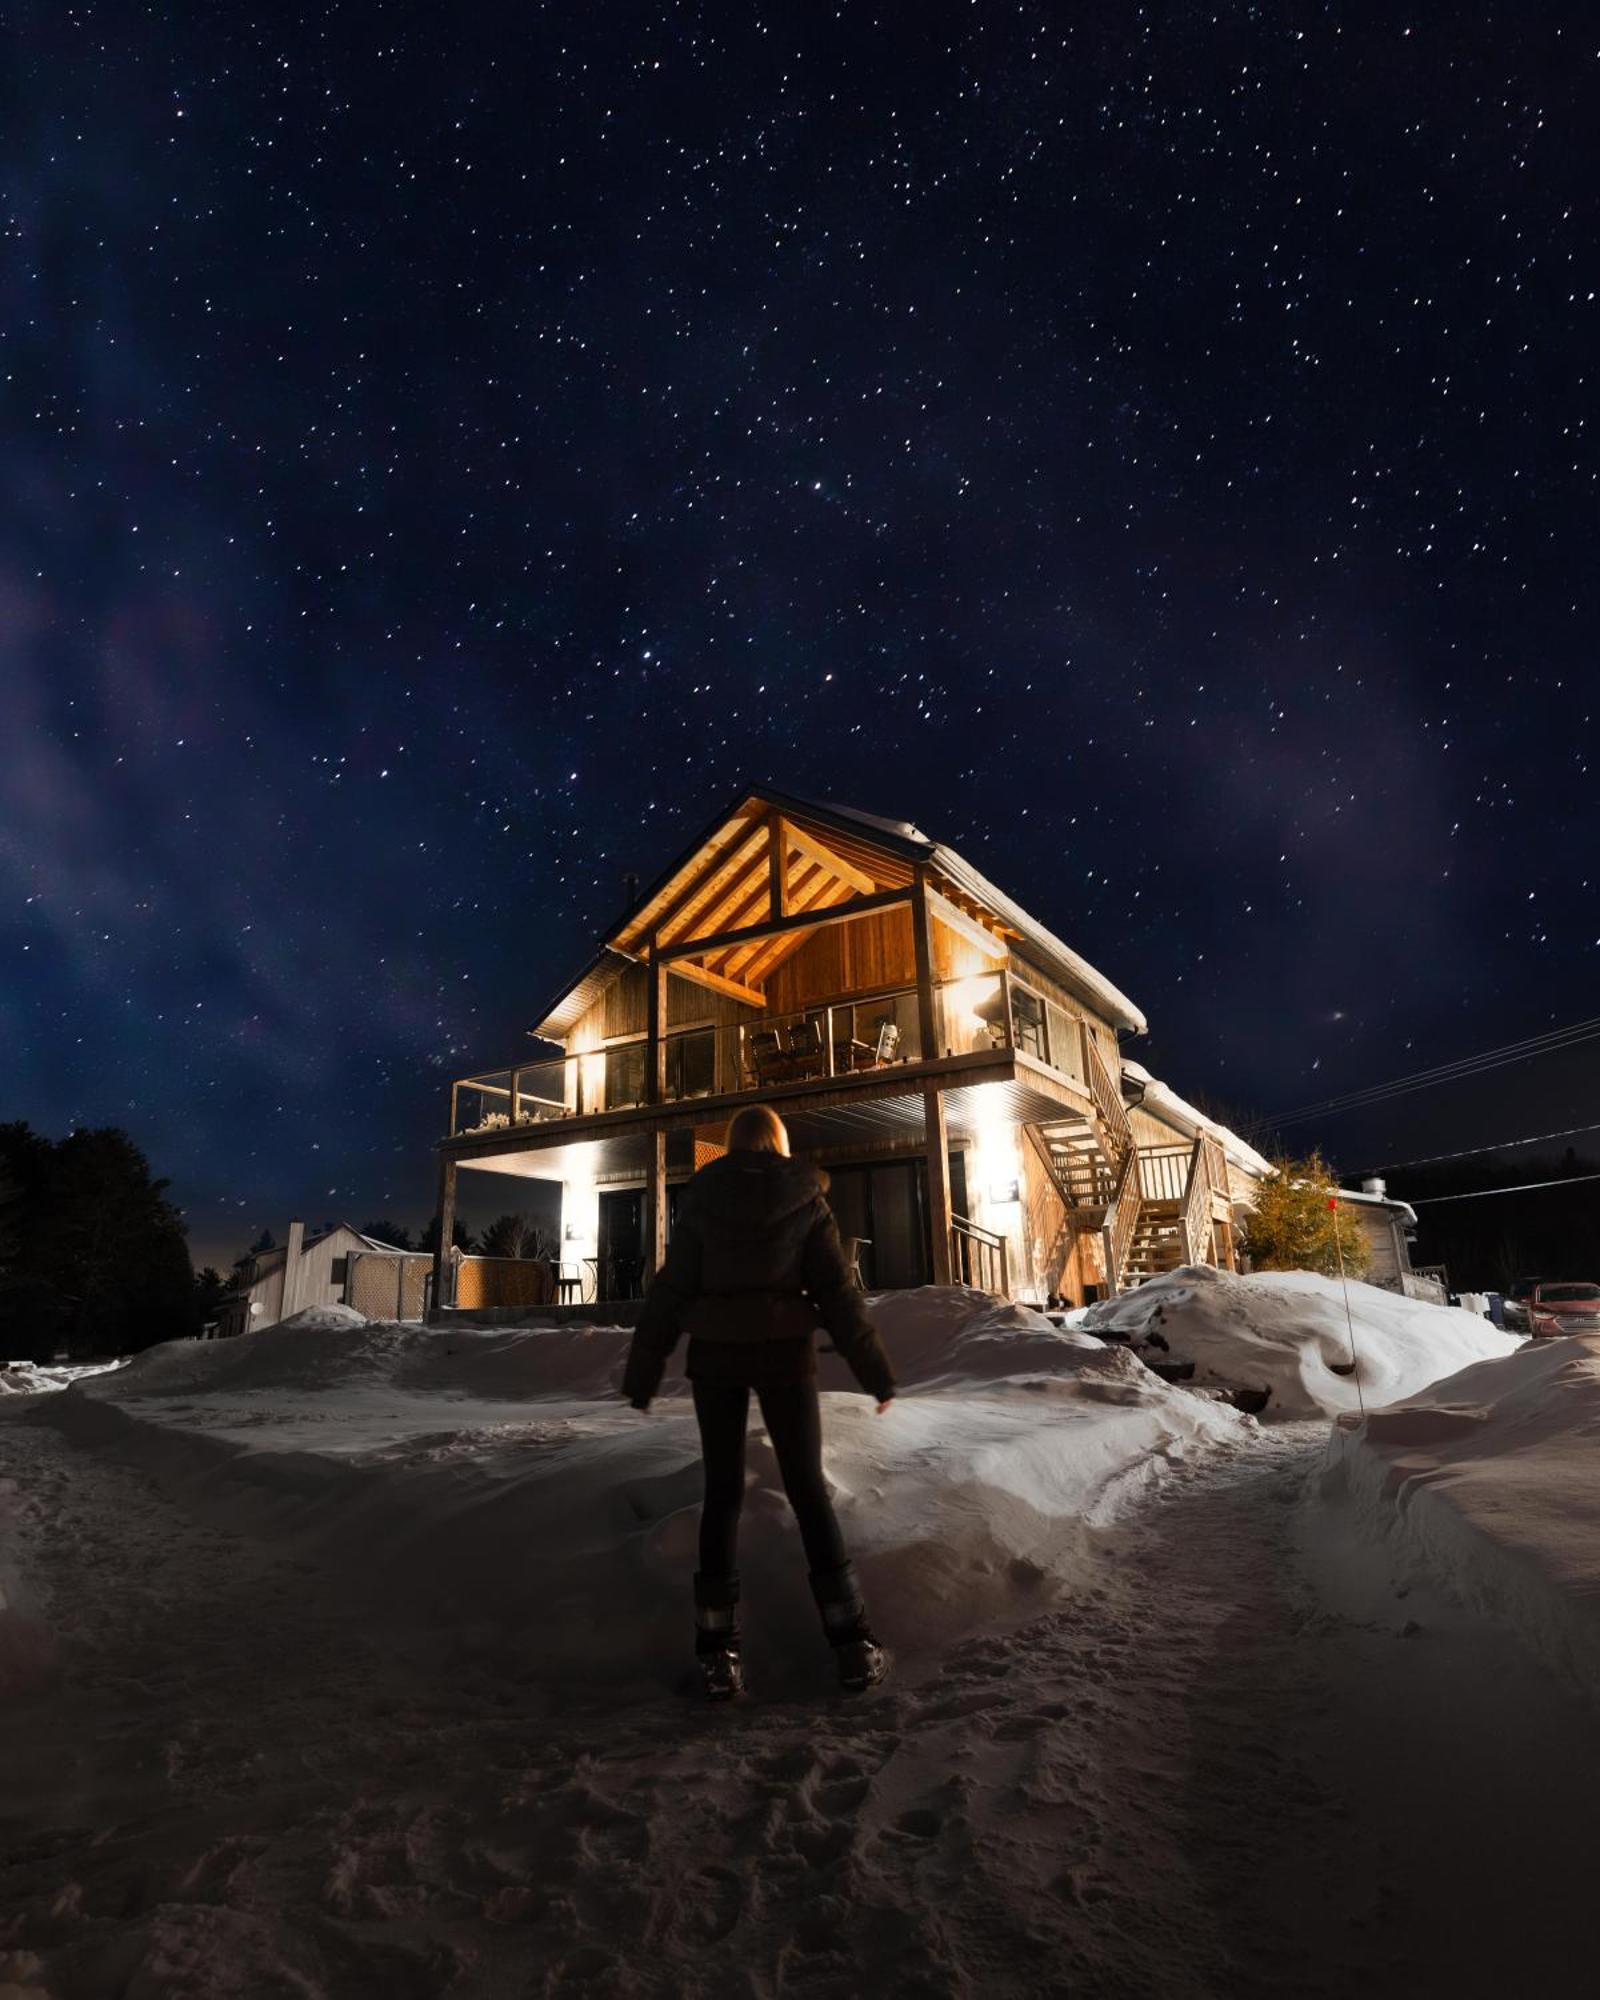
(339, 1271)
(692, 1064)
(625, 1075)
(1028, 1013)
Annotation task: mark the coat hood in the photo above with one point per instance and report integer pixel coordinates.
(750, 1194)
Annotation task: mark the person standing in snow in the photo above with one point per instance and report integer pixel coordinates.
(755, 1265)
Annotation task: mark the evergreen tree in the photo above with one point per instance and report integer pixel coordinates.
(388, 1232)
(98, 1260)
(1297, 1223)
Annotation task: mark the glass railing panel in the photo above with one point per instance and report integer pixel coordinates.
(972, 1015)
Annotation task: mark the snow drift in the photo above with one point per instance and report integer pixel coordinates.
(1489, 1479)
(493, 1477)
(1287, 1332)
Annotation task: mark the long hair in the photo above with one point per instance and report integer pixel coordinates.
(757, 1129)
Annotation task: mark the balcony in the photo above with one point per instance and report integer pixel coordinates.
(864, 1043)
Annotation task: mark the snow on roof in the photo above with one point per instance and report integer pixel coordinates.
(1165, 1102)
(1364, 1200)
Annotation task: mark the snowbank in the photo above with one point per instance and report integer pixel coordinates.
(1287, 1332)
(1490, 1480)
(34, 1378)
(494, 1475)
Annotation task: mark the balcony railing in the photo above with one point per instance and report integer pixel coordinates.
(866, 1033)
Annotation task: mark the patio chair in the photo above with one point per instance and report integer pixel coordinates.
(805, 1055)
(569, 1284)
(766, 1056)
(852, 1246)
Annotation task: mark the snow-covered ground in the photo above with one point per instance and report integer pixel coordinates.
(1490, 1479)
(1318, 1347)
(496, 1475)
(347, 1662)
(39, 1378)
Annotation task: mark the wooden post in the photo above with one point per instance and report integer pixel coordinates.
(938, 1140)
(442, 1260)
(922, 943)
(655, 1207)
(777, 862)
(516, 1096)
(655, 1072)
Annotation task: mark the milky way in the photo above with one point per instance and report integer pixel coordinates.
(447, 449)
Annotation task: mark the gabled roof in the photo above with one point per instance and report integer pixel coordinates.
(1161, 1101)
(724, 871)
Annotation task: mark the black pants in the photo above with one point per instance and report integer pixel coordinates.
(794, 1424)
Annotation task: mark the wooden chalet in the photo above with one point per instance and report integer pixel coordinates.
(952, 1063)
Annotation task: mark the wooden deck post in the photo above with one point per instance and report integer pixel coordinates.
(442, 1260)
(655, 1206)
(922, 944)
(655, 1071)
(938, 1138)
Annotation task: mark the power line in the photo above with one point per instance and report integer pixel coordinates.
(1473, 1152)
(1479, 1194)
(1550, 1043)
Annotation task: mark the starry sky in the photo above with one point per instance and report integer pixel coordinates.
(447, 450)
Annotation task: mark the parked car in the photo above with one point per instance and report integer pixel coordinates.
(1562, 1307)
(1516, 1303)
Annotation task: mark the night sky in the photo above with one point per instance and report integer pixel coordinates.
(445, 451)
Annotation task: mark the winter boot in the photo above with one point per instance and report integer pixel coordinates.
(716, 1636)
(862, 1662)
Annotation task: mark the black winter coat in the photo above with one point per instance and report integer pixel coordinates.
(755, 1256)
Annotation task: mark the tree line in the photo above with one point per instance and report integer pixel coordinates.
(93, 1256)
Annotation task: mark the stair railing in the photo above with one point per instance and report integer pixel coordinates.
(1198, 1246)
(1122, 1221)
(978, 1257)
(1111, 1114)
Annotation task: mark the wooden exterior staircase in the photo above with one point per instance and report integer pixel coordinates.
(1155, 1209)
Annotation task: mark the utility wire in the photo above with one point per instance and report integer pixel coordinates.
(1472, 1152)
(1480, 1194)
(1509, 1052)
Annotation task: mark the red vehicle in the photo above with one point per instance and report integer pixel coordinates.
(1556, 1308)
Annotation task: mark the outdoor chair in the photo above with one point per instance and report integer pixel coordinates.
(766, 1056)
(805, 1050)
(569, 1284)
(852, 1247)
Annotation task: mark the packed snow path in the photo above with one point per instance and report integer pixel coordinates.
(1239, 1763)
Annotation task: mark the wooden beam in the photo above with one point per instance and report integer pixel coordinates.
(655, 1062)
(770, 951)
(804, 894)
(656, 1201)
(922, 945)
(700, 892)
(777, 861)
(755, 890)
(443, 1262)
(958, 921)
(748, 893)
(857, 906)
(939, 1209)
(835, 864)
(685, 968)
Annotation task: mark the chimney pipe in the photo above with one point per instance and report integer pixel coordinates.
(630, 890)
(1375, 1184)
(293, 1252)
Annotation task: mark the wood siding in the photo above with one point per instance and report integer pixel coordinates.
(860, 957)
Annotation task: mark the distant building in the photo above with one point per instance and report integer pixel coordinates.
(339, 1266)
(1390, 1227)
